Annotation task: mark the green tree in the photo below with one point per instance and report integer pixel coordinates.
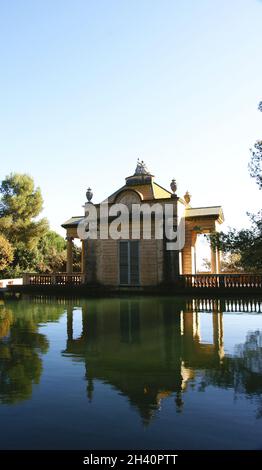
(255, 166)
(20, 204)
(76, 258)
(52, 249)
(246, 244)
(6, 253)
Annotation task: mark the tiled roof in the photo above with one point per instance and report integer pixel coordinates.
(147, 192)
(72, 222)
(160, 192)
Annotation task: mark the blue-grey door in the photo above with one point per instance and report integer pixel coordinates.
(129, 262)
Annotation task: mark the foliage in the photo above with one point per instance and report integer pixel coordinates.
(45, 257)
(26, 244)
(229, 262)
(76, 258)
(6, 253)
(25, 259)
(206, 265)
(20, 199)
(246, 244)
(255, 165)
(52, 248)
(20, 204)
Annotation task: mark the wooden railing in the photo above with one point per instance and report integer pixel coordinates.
(222, 280)
(58, 279)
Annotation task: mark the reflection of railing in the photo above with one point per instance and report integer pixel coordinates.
(224, 305)
(222, 280)
(58, 279)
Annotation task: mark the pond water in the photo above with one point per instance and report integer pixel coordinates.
(140, 373)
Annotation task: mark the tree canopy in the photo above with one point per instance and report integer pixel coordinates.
(6, 253)
(246, 243)
(255, 165)
(26, 242)
(20, 204)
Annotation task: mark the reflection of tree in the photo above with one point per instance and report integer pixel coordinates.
(6, 319)
(21, 348)
(243, 371)
(250, 359)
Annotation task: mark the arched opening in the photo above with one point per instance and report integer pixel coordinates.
(202, 254)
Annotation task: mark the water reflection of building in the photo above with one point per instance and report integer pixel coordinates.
(145, 349)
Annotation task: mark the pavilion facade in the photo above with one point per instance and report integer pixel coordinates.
(143, 261)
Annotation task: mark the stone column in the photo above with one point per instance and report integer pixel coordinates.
(218, 262)
(90, 261)
(171, 257)
(83, 257)
(193, 252)
(213, 261)
(195, 259)
(69, 260)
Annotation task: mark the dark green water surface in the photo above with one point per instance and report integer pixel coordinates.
(141, 373)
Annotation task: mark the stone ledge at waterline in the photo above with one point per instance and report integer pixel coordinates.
(165, 289)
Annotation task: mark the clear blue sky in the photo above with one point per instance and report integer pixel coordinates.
(87, 86)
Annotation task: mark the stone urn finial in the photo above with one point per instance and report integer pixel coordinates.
(89, 194)
(187, 198)
(173, 186)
